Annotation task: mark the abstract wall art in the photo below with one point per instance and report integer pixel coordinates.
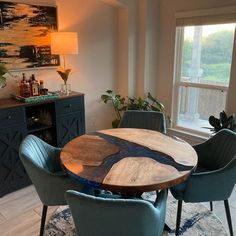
(25, 35)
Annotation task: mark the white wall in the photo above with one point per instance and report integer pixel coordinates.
(94, 69)
(96, 24)
(138, 47)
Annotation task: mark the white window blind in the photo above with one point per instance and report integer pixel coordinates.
(206, 17)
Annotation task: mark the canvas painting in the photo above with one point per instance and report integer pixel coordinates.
(25, 35)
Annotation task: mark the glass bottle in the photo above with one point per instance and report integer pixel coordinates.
(24, 87)
(34, 86)
(41, 87)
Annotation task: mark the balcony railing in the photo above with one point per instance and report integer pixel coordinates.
(198, 101)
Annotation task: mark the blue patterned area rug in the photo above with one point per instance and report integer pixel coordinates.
(196, 220)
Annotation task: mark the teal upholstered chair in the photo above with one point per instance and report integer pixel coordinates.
(215, 176)
(96, 216)
(152, 120)
(42, 164)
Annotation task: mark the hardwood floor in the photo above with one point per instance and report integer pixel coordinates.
(20, 212)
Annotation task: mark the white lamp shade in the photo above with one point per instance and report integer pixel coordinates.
(64, 43)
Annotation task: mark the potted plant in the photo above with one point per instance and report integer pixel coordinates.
(118, 103)
(147, 103)
(223, 122)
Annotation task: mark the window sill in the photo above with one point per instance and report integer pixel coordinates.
(187, 136)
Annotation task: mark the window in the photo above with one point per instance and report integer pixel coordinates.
(203, 58)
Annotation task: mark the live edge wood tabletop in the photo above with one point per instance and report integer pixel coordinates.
(128, 160)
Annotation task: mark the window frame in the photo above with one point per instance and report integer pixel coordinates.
(177, 83)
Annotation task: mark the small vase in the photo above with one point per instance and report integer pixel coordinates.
(65, 89)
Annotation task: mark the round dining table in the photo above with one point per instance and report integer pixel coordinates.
(128, 160)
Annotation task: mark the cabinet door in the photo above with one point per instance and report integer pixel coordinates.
(69, 126)
(12, 173)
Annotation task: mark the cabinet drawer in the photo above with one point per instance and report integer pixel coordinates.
(69, 105)
(12, 116)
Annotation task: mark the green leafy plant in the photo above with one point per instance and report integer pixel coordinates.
(118, 103)
(223, 122)
(148, 103)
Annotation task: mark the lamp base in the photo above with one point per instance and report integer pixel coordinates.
(65, 89)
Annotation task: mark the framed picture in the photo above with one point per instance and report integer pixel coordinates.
(25, 35)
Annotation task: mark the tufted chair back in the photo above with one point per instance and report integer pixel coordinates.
(96, 216)
(144, 120)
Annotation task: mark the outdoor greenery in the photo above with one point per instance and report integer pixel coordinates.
(216, 56)
(120, 104)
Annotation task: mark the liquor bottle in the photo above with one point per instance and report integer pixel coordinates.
(41, 87)
(24, 87)
(27, 91)
(34, 86)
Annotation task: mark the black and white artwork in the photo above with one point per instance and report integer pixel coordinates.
(25, 35)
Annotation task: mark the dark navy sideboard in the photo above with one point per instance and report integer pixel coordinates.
(56, 121)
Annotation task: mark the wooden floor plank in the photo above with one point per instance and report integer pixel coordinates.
(17, 206)
(9, 198)
(22, 225)
(2, 219)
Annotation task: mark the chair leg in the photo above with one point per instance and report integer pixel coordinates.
(227, 211)
(43, 219)
(211, 206)
(179, 210)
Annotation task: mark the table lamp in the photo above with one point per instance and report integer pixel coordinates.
(64, 43)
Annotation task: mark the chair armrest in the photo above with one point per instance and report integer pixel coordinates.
(211, 186)
(109, 195)
(160, 210)
(58, 173)
(161, 198)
